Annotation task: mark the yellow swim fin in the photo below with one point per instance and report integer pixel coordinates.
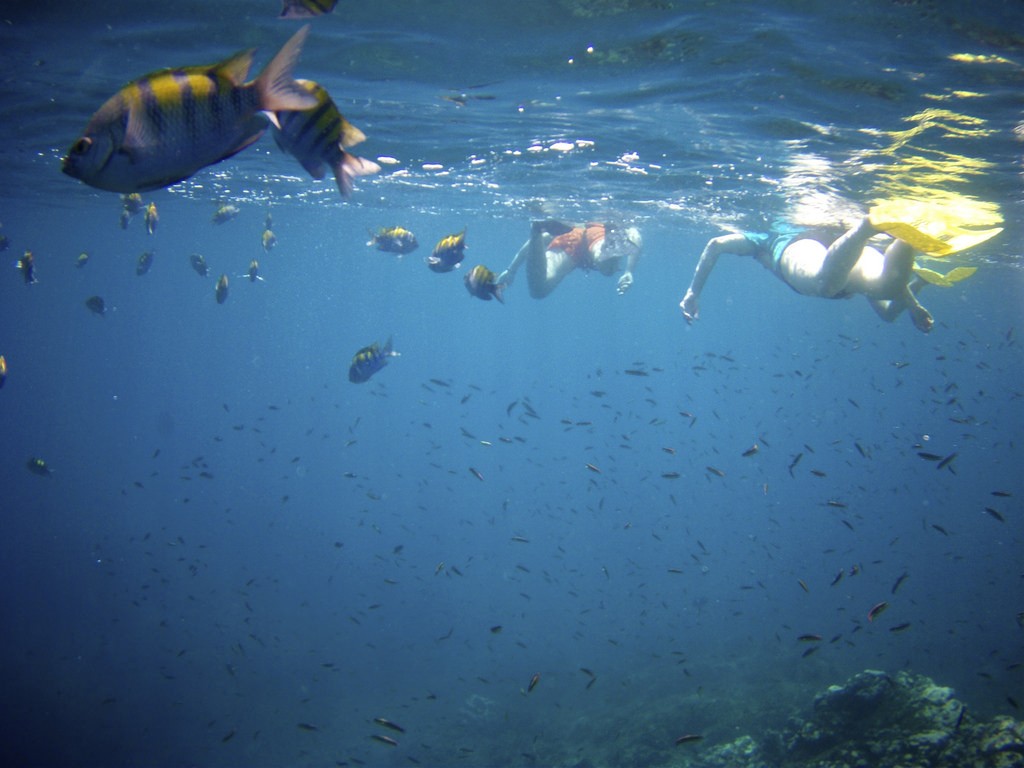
(932, 277)
(960, 273)
(964, 239)
(889, 218)
(948, 280)
(927, 228)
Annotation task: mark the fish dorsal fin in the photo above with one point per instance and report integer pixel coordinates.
(276, 84)
(236, 68)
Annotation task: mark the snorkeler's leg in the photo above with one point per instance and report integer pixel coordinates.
(537, 263)
(553, 227)
(898, 266)
(841, 257)
(898, 272)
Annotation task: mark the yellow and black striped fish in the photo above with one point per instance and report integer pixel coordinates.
(254, 271)
(448, 253)
(303, 9)
(483, 284)
(269, 240)
(152, 218)
(368, 360)
(394, 240)
(27, 266)
(319, 136)
(221, 289)
(144, 263)
(167, 125)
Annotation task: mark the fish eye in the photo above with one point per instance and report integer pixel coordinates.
(81, 146)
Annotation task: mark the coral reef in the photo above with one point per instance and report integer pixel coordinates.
(888, 721)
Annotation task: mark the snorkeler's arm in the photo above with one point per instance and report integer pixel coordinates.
(506, 277)
(890, 309)
(540, 233)
(735, 244)
(626, 280)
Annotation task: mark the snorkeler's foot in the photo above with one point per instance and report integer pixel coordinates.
(553, 227)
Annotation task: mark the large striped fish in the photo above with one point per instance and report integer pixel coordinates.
(319, 135)
(301, 9)
(167, 125)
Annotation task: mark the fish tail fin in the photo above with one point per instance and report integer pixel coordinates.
(348, 168)
(276, 84)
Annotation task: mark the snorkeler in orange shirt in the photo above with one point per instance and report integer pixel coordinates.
(555, 249)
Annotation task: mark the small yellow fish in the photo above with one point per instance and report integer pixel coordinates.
(368, 360)
(224, 213)
(152, 218)
(221, 291)
(394, 240)
(448, 253)
(132, 203)
(39, 467)
(144, 263)
(269, 240)
(82, 260)
(199, 264)
(3, 370)
(254, 271)
(96, 305)
(27, 265)
(483, 284)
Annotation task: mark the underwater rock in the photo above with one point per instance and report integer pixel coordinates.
(887, 721)
(1001, 743)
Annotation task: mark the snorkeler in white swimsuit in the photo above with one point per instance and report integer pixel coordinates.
(847, 267)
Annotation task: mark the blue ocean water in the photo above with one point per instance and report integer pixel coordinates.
(241, 558)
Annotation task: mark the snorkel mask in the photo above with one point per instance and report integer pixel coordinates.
(622, 240)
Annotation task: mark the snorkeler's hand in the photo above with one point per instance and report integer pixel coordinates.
(689, 306)
(625, 282)
(505, 278)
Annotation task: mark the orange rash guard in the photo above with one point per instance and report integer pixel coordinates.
(578, 243)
